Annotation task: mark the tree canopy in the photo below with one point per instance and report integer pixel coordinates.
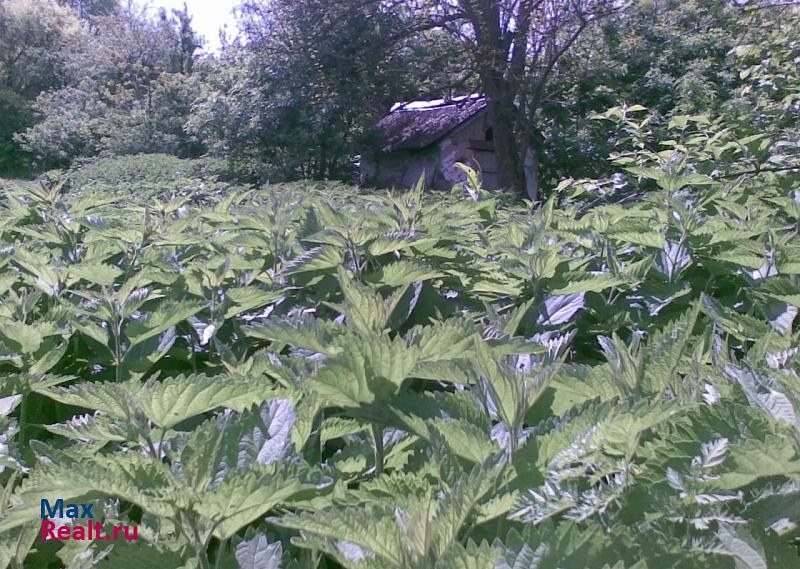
(296, 93)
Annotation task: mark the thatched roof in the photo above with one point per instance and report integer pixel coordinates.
(422, 123)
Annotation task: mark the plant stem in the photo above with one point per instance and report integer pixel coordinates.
(23, 419)
(200, 545)
(377, 436)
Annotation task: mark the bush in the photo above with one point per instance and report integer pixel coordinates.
(15, 116)
(146, 176)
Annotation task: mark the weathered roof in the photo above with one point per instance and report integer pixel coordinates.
(422, 123)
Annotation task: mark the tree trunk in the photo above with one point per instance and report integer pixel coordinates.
(502, 116)
(531, 167)
(491, 52)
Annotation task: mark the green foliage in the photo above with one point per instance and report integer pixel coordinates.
(298, 98)
(147, 177)
(126, 89)
(675, 57)
(302, 375)
(33, 37)
(17, 116)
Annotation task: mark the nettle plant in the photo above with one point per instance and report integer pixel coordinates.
(316, 378)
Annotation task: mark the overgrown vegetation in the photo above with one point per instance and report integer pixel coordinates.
(313, 376)
(145, 177)
(295, 96)
(306, 376)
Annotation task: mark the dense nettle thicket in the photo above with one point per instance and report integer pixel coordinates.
(305, 376)
(313, 376)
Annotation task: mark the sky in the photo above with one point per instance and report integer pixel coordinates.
(208, 16)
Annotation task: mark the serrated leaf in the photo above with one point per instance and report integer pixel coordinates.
(101, 274)
(588, 282)
(168, 314)
(175, 399)
(258, 553)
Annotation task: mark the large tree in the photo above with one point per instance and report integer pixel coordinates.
(295, 97)
(35, 35)
(332, 65)
(129, 90)
(312, 75)
(515, 46)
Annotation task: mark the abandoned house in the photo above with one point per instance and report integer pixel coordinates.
(430, 137)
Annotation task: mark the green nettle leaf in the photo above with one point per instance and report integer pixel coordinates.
(625, 361)
(781, 289)
(250, 298)
(575, 385)
(17, 543)
(307, 333)
(96, 273)
(425, 529)
(776, 456)
(173, 400)
(358, 534)
(170, 401)
(403, 273)
(96, 428)
(550, 546)
(589, 282)
(112, 399)
(132, 477)
(372, 368)
(168, 314)
(50, 358)
(365, 309)
(646, 239)
(244, 497)
(664, 353)
(464, 439)
(444, 340)
(741, 258)
(319, 259)
(739, 325)
(398, 240)
(258, 553)
(25, 338)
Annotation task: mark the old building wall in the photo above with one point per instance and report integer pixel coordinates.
(471, 143)
(401, 169)
(468, 144)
